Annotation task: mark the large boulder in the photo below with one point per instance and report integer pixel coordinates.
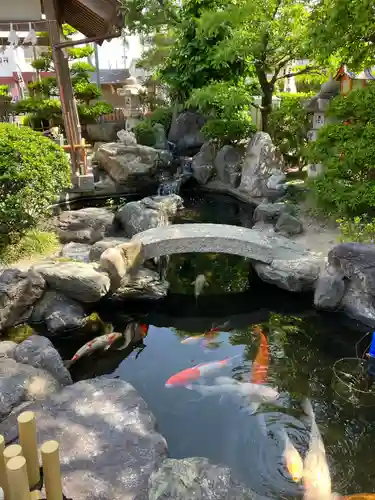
(270, 212)
(196, 478)
(227, 165)
(144, 284)
(137, 216)
(258, 165)
(329, 290)
(185, 132)
(18, 293)
(58, 313)
(39, 352)
(356, 262)
(288, 225)
(108, 443)
(203, 163)
(135, 166)
(20, 382)
(87, 225)
(78, 280)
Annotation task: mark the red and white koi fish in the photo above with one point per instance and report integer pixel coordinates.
(186, 377)
(292, 459)
(104, 342)
(261, 362)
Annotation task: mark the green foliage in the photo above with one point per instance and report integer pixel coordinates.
(144, 133)
(80, 52)
(343, 30)
(81, 70)
(358, 229)
(43, 63)
(227, 107)
(148, 16)
(31, 244)
(86, 92)
(4, 90)
(162, 115)
(225, 131)
(90, 114)
(347, 150)
(41, 109)
(288, 127)
(159, 46)
(33, 170)
(45, 87)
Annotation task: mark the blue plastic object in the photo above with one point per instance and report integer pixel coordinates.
(372, 346)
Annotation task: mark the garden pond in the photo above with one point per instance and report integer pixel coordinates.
(303, 346)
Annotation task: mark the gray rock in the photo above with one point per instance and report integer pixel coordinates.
(77, 280)
(98, 248)
(227, 165)
(160, 137)
(257, 166)
(358, 304)
(357, 261)
(105, 185)
(297, 274)
(186, 133)
(87, 225)
(196, 478)
(39, 352)
(135, 166)
(203, 163)
(18, 293)
(276, 180)
(19, 382)
(135, 217)
(100, 423)
(288, 225)
(127, 138)
(76, 251)
(264, 227)
(170, 204)
(58, 313)
(270, 212)
(7, 348)
(145, 284)
(103, 132)
(329, 290)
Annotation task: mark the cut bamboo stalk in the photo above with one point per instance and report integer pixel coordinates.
(29, 444)
(17, 478)
(35, 495)
(3, 471)
(51, 470)
(12, 451)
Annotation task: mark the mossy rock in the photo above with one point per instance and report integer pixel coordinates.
(19, 333)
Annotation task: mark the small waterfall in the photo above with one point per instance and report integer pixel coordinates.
(171, 185)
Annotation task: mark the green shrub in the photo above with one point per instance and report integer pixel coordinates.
(225, 131)
(358, 229)
(162, 115)
(144, 133)
(226, 106)
(288, 127)
(346, 148)
(33, 171)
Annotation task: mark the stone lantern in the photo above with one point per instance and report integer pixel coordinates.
(133, 110)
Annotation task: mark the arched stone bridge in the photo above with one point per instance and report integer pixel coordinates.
(215, 238)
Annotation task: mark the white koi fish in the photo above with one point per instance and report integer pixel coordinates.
(199, 283)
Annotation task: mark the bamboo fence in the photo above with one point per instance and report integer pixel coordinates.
(21, 477)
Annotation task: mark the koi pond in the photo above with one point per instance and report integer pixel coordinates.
(303, 347)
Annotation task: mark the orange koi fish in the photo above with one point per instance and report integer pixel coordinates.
(186, 377)
(261, 362)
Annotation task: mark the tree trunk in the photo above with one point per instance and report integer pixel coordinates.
(267, 91)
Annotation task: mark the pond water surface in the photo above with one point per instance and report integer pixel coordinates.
(303, 344)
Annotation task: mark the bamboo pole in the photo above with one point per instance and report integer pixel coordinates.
(12, 451)
(17, 478)
(29, 444)
(35, 495)
(51, 470)
(3, 471)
